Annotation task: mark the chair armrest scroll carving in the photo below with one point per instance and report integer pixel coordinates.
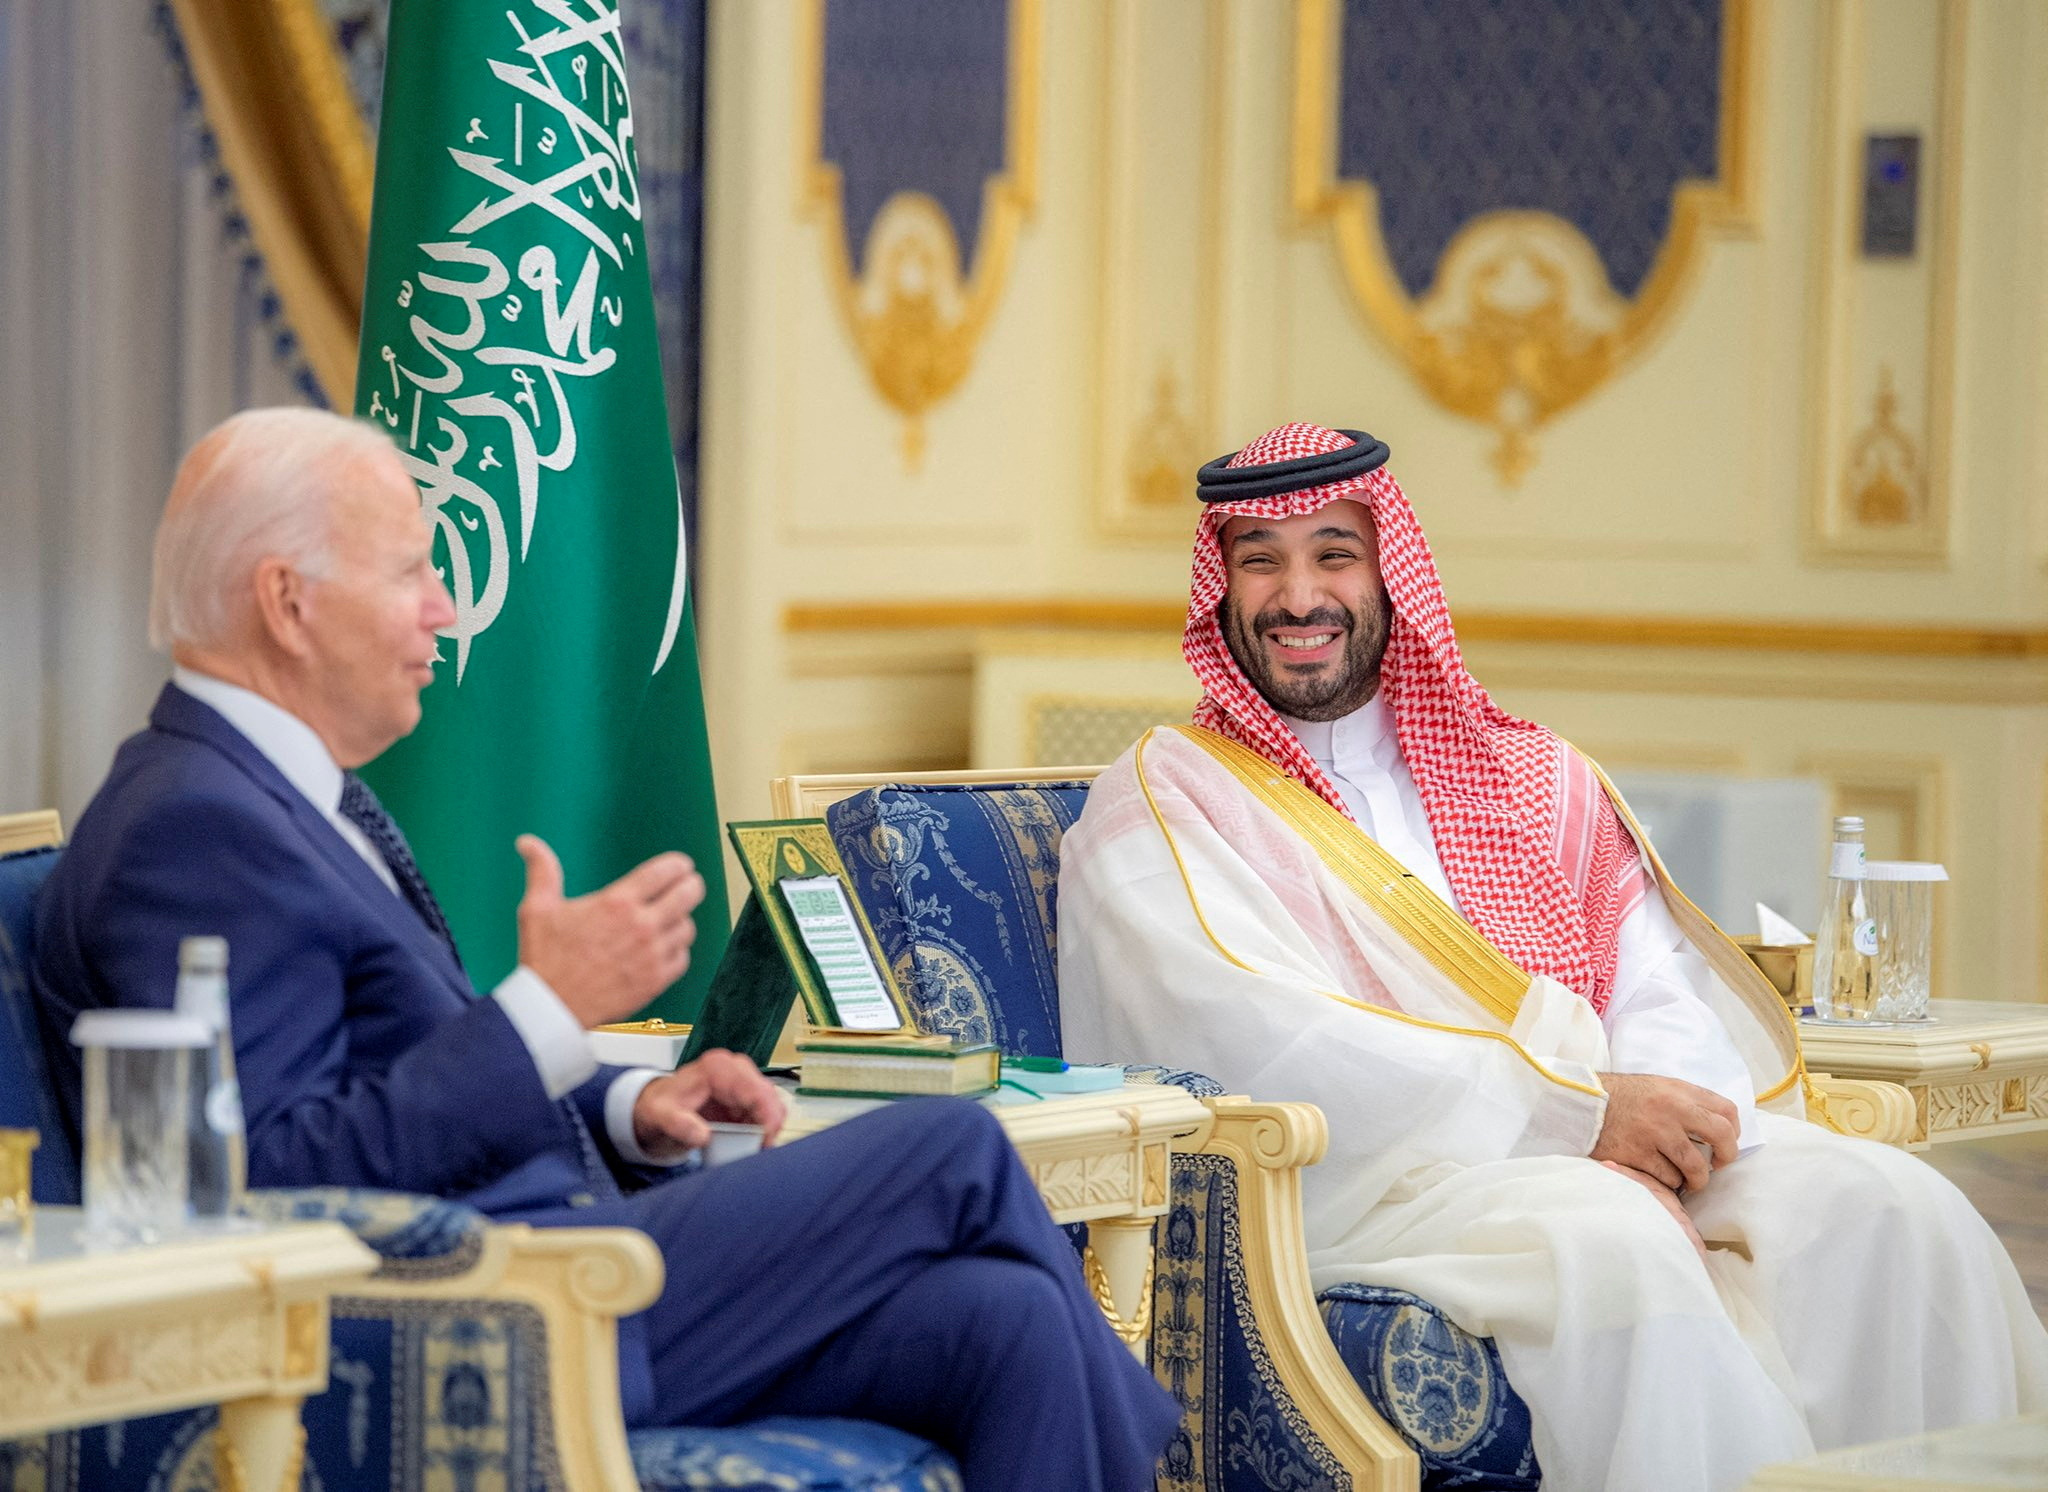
(1866, 1108)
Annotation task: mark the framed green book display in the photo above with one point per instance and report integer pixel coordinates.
(802, 935)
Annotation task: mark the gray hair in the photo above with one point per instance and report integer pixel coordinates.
(257, 485)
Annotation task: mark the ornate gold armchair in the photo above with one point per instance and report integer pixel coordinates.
(1366, 1388)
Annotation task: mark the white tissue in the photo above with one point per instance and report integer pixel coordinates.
(1776, 930)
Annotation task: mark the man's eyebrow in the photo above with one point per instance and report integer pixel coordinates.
(1331, 531)
(1252, 536)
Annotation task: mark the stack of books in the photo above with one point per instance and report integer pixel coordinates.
(894, 1064)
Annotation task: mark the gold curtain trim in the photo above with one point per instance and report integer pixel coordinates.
(1194, 901)
(278, 102)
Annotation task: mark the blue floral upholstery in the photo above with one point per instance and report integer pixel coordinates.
(1437, 1384)
(792, 1455)
(27, 1101)
(961, 882)
(420, 1392)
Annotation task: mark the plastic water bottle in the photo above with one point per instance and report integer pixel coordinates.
(1845, 951)
(218, 1154)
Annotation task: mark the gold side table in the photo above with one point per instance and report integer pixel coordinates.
(1104, 1159)
(237, 1319)
(1979, 1068)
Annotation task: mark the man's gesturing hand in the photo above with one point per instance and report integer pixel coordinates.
(720, 1085)
(608, 953)
(1668, 1129)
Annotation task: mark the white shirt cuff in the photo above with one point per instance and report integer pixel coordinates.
(619, 1100)
(553, 1037)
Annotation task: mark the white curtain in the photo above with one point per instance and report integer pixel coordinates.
(131, 324)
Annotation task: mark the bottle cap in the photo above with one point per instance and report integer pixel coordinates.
(139, 1030)
(202, 955)
(1849, 823)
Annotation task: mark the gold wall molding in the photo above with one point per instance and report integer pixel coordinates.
(1166, 101)
(1716, 633)
(917, 314)
(1521, 321)
(1877, 492)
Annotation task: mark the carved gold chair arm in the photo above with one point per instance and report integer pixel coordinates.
(580, 1281)
(1863, 1107)
(1269, 1143)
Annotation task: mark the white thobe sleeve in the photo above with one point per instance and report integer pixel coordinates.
(1658, 1022)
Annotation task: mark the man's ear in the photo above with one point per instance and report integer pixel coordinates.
(281, 606)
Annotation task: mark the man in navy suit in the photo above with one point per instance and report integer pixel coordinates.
(898, 1267)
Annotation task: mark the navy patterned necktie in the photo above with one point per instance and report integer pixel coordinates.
(360, 807)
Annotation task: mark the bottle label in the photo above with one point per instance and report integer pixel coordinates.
(1847, 862)
(1865, 938)
(224, 1109)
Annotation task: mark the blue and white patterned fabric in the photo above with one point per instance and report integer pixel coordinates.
(792, 1455)
(1436, 1383)
(961, 883)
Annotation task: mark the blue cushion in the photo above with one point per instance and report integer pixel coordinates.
(27, 1099)
(792, 1455)
(416, 1237)
(962, 885)
(1436, 1383)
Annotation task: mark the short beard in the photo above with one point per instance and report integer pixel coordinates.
(1330, 696)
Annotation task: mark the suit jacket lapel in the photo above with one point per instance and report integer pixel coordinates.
(179, 714)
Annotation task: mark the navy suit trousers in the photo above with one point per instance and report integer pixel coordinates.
(899, 1267)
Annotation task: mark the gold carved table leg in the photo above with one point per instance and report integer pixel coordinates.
(1118, 1264)
(262, 1444)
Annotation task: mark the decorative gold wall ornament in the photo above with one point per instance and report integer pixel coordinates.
(1884, 484)
(1164, 450)
(915, 312)
(1520, 322)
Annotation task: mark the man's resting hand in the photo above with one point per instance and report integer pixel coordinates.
(1667, 1197)
(1672, 1131)
(607, 954)
(671, 1112)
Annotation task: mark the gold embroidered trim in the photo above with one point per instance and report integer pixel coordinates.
(1195, 903)
(1430, 924)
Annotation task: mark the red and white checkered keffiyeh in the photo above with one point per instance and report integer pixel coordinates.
(1533, 849)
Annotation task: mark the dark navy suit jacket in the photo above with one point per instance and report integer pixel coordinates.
(364, 1057)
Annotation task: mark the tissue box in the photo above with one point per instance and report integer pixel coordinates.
(655, 1043)
(1789, 967)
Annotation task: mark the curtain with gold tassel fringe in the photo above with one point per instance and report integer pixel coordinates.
(277, 101)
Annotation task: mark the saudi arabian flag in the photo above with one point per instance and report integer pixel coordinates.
(509, 347)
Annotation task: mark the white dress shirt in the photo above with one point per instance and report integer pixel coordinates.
(1656, 1019)
(553, 1038)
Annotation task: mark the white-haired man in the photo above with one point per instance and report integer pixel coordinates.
(898, 1268)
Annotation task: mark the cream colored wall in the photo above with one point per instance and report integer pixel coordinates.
(846, 590)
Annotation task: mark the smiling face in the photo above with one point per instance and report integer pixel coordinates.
(1306, 615)
(370, 626)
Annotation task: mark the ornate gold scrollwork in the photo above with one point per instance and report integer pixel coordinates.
(1885, 486)
(1139, 1326)
(915, 311)
(1520, 322)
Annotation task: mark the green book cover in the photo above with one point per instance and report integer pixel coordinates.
(509, 348)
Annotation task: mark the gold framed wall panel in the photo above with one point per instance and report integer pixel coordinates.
(1507, 367)
(1881, 466)
(915, 312)
(1165, 110)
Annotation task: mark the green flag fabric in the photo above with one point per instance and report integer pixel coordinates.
(509, 348)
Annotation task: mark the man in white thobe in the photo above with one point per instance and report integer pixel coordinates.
(1562, 1106)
